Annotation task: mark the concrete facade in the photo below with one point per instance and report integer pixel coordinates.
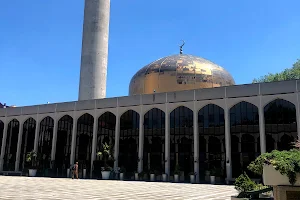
(94, 54)
(225, 97)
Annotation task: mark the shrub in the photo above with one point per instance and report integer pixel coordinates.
(244, 184)
(33, 158)
(286, 162)
(106, 153)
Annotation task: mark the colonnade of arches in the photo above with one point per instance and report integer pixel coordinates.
(280, 131)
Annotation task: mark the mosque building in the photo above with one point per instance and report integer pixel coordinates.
(181, 110)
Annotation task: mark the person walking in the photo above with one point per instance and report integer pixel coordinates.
(75, 170)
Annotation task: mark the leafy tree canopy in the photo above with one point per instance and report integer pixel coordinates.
(287, 74)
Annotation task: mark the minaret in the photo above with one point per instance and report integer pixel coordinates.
(94, 51)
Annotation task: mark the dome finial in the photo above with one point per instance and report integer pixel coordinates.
(181, 46)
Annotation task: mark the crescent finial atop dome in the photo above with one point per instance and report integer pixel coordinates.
(181, 46)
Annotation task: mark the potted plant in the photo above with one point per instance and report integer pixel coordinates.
(152, 175)
(176, 173)
(164, 177)
(212, 176)
(84, 171)
(243, 184)
(207, 175)
(136, 176)
(106, 153)
(278, 167)
(192, 176)
(218, 173)
(122, 171)
(32, 157)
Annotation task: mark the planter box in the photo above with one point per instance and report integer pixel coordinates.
(273, 177)
(136, 176)
(32, 172)
(164, 177)
(192, 178)
(176, 178)
(152, 177)
(84, 174)
(121, 176)
(105, 175)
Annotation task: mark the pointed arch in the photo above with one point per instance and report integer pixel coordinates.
(181, 126)
(1, 134)
(105, 134)
(244, 131)
(45, 141)
(129, 140)
(280, 120)
(63, 145)
(277, 99)
(211, 125)
(28, 137)
(65, 118)
(84, 140)
(11, 145)
(106, 130)
(154, 140)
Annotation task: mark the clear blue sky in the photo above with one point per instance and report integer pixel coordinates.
(40, 41)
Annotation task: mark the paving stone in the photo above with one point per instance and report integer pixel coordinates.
(28, 188)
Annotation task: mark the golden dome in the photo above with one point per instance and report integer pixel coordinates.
(178, 72)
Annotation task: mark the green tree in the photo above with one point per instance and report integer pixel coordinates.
(287, 74)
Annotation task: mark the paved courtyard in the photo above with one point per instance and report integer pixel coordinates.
(26, 188)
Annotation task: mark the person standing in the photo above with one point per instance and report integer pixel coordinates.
(75, 170)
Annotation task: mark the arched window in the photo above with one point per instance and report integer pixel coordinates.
(63, 145)
(280, 124)
(11, 145)
(182, 140)
(154, 140)
(45, 141)
(129, 140)
(211, 136)
(244, 131)
(84, 140)
(105, 134)
(28, 138)
(1, 134)
(106, 130)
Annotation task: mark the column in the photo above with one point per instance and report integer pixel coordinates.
(54, 140)
(19, 146)
(36, 137)
(3, 144)
(228, 143)
(73, 145)
(262, 134)
(298, 115)
(167, 141)
(223, 150)
(94, 143)
(141, 141)
(196, 142)
(117, 140)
